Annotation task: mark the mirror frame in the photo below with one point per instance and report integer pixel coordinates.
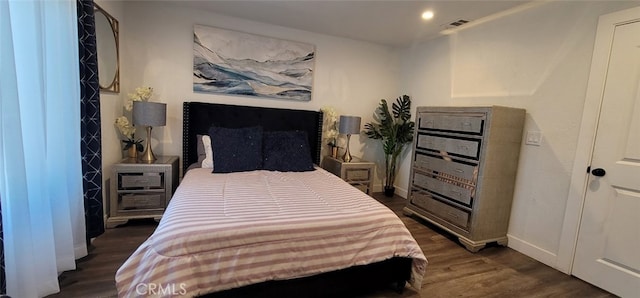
(114, 85)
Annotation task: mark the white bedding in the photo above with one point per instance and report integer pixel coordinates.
(222, 231)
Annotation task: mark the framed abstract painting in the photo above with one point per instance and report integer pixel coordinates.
(237, 63)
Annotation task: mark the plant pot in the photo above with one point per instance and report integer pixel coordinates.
(132, 152)
(389, 191)
(334, 152)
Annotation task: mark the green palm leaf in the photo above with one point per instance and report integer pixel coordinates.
(402, 108)
(394, 129)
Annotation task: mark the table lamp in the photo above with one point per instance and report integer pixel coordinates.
(149, 114)
(349, 125)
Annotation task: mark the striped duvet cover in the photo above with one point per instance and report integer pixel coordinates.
(223, 231)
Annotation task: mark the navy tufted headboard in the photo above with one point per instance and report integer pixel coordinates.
(198, 117)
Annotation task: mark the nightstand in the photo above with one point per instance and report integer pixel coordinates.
(141, 189)
(357, 172)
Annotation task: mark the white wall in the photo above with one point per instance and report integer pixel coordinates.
(157, 50)
(538, 59)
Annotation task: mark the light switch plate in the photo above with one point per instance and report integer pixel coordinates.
(533, 138)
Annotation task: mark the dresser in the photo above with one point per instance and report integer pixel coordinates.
(463, 170)
(357, 172)
(141, 189)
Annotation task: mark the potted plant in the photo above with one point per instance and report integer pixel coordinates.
(127, 130)
(131, 144)
(394, 129)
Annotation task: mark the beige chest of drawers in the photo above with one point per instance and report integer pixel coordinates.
(357, 172)
(463, 170)
(140, 189)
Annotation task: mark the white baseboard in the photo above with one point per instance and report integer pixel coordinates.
(402, 192)
(541, 255)
(80, 250)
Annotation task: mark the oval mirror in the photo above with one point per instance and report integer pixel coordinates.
(108, 51)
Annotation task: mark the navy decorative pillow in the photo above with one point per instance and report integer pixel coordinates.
(286, 151)
(236, 149)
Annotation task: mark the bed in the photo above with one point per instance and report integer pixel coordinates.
(264, 233)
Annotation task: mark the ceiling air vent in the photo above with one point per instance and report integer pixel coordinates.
(458, 23)
(453, 25)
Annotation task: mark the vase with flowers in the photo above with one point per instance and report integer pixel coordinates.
(126, 128)
(330, 129)
(131, 144)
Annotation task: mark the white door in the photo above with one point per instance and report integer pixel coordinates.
(608, 247)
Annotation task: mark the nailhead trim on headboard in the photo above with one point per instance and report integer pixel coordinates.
(185, 136)
(319, 147)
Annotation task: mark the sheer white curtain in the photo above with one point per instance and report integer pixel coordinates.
(40, 166)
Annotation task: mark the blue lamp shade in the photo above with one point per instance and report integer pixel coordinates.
(149, 113)
(349, 125)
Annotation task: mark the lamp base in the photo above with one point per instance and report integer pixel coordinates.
(147, 155)
(347, 155)
(389, 191)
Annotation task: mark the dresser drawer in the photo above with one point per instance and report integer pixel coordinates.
(460, 147)
(356, 174)
(140, 180)
(453, 215)
(452, 168)
(142, 201)
(449, 122)
(454, 192)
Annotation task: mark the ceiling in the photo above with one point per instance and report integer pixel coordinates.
(392, 22)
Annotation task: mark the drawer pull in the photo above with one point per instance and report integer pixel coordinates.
(459, 170)
(456, 216)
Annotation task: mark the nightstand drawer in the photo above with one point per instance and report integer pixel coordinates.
(140, 180)
(142, 201)
(364, 187)
(357, 174)
(455, 216)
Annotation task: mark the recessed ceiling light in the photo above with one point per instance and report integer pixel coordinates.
(427, 15)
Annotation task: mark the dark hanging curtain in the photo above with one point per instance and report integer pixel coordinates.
(90, 121)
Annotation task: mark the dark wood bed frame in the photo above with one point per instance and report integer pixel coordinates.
(199, 117)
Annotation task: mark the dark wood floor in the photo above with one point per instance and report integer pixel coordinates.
(452, 271)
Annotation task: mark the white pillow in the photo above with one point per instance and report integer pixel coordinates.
(207, 163)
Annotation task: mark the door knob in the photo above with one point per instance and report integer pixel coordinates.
(599, 172)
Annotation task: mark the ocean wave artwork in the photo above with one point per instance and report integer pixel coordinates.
(237, 63)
